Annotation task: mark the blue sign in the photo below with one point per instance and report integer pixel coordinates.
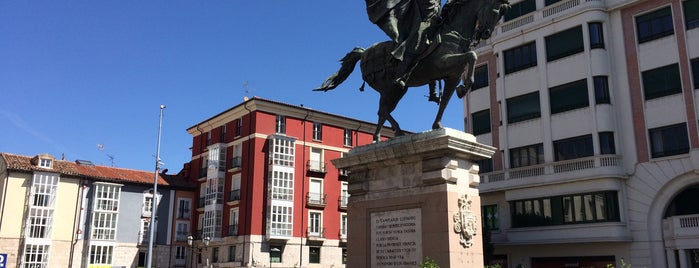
(3, 260)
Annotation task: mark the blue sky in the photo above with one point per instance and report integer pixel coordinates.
(75, 74)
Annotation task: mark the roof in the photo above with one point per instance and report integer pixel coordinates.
(97, 172)
(301, 109)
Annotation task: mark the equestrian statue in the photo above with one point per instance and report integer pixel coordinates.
(428, 44)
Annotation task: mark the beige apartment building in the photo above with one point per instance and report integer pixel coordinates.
(593, 105)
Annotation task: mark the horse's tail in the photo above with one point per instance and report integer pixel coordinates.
(348, 63)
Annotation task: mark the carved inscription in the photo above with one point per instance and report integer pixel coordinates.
(396, 238)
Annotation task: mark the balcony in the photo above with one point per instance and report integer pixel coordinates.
(561, 171)
(236, 162)
(315, 233)
(681, 231)
(317, 200)
(233, 230)
(316, 166)
(548, 14)
(234, 195)
(342, 202)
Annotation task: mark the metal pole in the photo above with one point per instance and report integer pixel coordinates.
(151, 231)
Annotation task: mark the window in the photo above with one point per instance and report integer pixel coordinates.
(485, 165)
(231, 253)
(691, 13)
(480, 77)
(695, 72)
(343, 225)
(315, 191)
(40, 214)
(481, 122)
(314, 255)
(315, 220)
(596, 35)
(527, 156)
(568, 96)
(565, 43)
(212, 224)
(520, 58)
(275, 254)
(105, 211)
(520, 9)
(661, 81)
(317, 131)
(180, 253)
(45, 163)
(234, 195)
(208, 138)
(181, 230)
(100, 254)
(601, 85)
(606, 143)
(239, 127)
(490, 217)
(233, 222)
(214, 255)
(35, 256)
(237, 159)
(281, 224)
(550, 2)
(572, 148)
(147, 205)
(223, 134)
(184, 206)
(280, 124)
(344, 255)
(654, 25)
(523, 107)
(348, 137)
(669, 140)
(570, 209)
(144, 234)
(282, 185)
(282, 151)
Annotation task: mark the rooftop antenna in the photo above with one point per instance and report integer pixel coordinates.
(100, 147)
(247, 90)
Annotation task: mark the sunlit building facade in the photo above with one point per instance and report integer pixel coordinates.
(268, 195)
(57, 213)
(593, 106)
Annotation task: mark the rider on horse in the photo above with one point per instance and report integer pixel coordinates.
(410, 24)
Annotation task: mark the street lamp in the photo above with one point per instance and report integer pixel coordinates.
(190, 241)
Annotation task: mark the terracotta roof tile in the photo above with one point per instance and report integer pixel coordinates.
(112, 174)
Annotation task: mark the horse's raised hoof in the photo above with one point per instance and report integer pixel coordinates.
(433, 98)
(461, 91)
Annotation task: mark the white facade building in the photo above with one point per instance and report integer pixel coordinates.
(593, 105)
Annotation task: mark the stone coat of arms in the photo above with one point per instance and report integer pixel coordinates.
(465, 223)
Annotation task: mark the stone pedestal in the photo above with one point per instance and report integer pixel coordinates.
(415, 197)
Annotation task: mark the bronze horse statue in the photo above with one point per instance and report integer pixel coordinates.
(464, 23)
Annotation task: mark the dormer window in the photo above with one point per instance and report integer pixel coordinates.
(45, 163)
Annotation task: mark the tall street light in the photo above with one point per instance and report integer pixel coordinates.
(151, 226)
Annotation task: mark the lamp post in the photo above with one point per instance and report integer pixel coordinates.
(149, 259)
(190, 241)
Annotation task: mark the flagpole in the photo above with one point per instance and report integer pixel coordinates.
(151, 225)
